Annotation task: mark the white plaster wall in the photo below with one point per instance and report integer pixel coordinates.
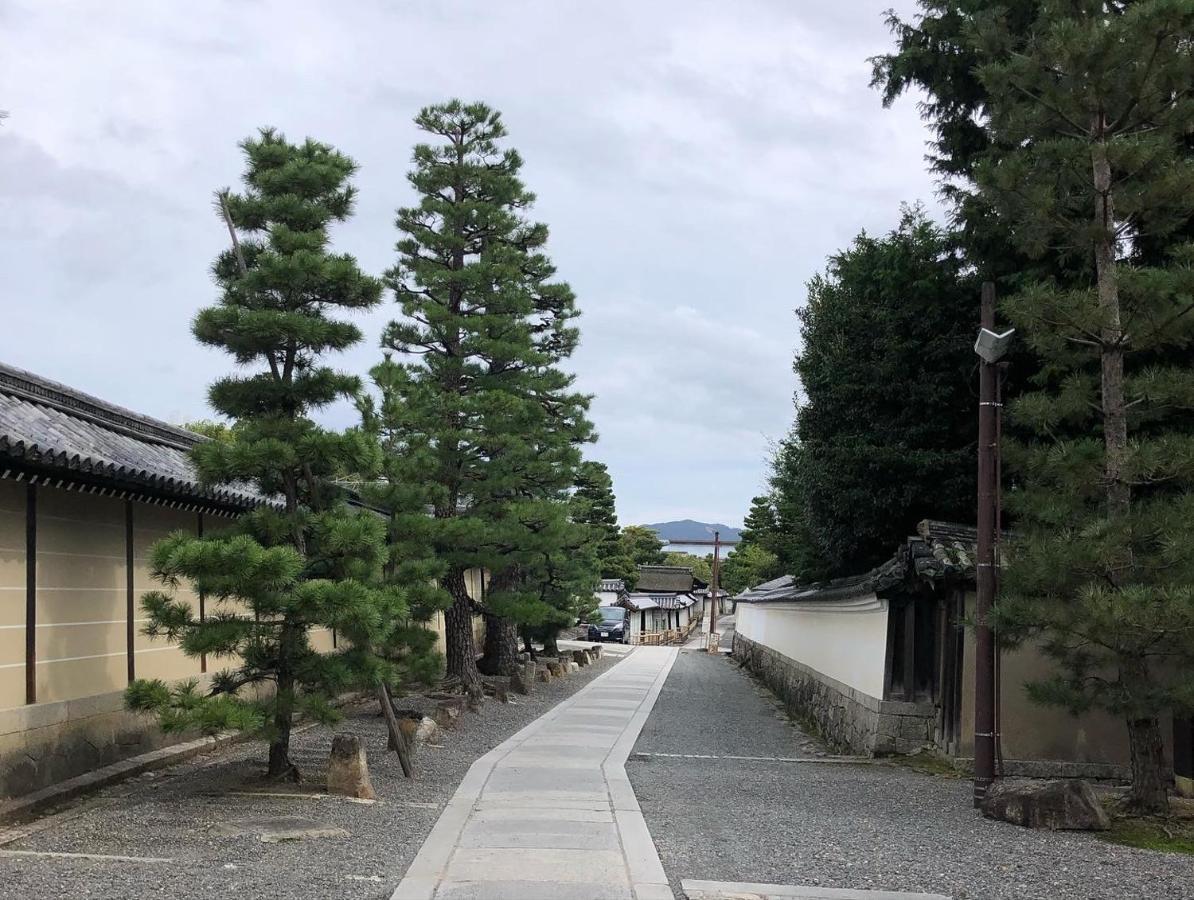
(846, 641)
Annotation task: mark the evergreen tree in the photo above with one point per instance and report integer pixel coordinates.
(884, 435)
(305, 559)
(750, 564)
(490, 422)
(642, 545)
(594, 505)
(1089, 117)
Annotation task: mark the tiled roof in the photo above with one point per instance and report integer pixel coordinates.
(612, 584)
(939, 551)
(58, 430)
(664, 578)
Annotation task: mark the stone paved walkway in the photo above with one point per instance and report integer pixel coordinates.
(557, 792)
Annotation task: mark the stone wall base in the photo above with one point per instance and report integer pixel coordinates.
(847, 719)
(1052, 768)
(47, 743)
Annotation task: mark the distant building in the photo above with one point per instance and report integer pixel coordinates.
(665, 605)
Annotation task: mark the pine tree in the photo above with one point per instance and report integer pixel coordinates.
(595, 506)
(490, 421)
(305, 558)
(1090, 115)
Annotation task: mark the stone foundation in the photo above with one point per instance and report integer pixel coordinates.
(848, 720)
(46, 743)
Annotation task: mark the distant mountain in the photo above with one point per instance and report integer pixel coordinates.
(689, 530)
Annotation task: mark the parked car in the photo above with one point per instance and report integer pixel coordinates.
(613, 626)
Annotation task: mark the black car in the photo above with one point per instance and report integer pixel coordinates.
(612, 627)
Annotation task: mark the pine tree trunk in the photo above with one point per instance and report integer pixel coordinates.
(550, 647)
(501, 646)
(1150, 792)
(1115, 415)
(458, 633)
(280, 766)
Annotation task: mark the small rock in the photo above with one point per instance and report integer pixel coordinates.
(1069, 805)
(348, 772)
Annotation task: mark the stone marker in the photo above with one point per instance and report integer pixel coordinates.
(497, 688)
(596, 651)
(543, 673)
(348, 773)
(1069, 805)
(581, 658)
(556, 668)
(518, 681)
(447, 712)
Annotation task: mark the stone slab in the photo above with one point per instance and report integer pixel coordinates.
(531, 832)
(533, 890)
(554, 866)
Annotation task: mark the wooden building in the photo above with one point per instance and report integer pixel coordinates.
(884, 663)
(86, 489)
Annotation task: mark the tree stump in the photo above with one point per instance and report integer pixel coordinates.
(348, 772)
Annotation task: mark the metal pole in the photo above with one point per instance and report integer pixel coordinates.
(713, 589)
(984, 643)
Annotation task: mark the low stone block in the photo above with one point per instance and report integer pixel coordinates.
(580, 657)
(447, 712)
(543, 673)
(1056, 805)
(348, 772)
(556, 669)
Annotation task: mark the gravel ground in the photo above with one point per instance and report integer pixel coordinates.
(182, 813)
(870, 827)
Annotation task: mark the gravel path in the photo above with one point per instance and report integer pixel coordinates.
(183, 813)
(870, 827)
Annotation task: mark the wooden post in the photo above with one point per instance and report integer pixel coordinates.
(30, 593)
(713, 590)
(910, 651)
(397, 739)
(130, 598)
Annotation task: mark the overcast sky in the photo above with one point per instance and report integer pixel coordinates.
(696, 162)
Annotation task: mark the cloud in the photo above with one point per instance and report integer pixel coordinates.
(696, 161)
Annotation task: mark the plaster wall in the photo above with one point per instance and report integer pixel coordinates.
(846, 642)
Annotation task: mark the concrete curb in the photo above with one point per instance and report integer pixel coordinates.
(29, 804)
(738, 890)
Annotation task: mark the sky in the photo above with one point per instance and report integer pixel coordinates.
(696, 163)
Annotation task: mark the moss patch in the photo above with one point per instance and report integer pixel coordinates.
(1173, 833)
(925, 763)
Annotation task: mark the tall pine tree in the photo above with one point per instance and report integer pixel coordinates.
(595, 506)
(490, 421)
(306, 559)
(1090, 115)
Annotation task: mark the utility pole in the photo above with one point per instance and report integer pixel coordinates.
(713, 589)
(984, 638)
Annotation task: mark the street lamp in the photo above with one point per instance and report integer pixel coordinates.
(990, 346)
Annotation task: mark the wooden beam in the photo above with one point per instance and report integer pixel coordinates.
(30, 594)
(202, 597)
(130, 599)
(910, 651)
